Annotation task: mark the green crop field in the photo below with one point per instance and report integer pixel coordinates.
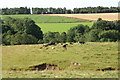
(53, 23)
(60, 27)
(90, 56)
(46, 19)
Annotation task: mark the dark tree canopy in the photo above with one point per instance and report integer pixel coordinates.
(104, 25)
(50, 37)
(117, 25)
(110, 35)
(94, 35)
(24, 29)
(23, 38)
(63, 37)
(75, 33)
(25, 25)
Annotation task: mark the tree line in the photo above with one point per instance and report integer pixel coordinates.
(12, 11)
(25, 10)
(25, 31)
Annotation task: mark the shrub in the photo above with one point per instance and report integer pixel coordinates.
(23, 38)
(77, 33)
(110, 35)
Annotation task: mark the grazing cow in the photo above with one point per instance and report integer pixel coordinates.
(97, 69)
(81, 42)
(61, 43)
(75, 64)
(45, 45)
(51, 43)
(65, 46)
(108, 69)
(71, 43)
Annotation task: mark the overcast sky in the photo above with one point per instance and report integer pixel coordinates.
(70, 4)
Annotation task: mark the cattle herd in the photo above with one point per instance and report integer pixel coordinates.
(63, 45)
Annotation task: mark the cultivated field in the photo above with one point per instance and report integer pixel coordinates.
(60, 27)
(90, 56)
(46, 18)
(104, 16)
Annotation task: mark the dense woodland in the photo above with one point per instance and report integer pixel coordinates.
(25, 10)
(25, 31)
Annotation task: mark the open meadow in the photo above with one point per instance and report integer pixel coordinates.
(89, 57)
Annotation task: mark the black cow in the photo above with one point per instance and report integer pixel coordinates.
(65, 46)
(81, 42)
(108, 69)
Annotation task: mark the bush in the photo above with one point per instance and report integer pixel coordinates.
(77, 33)
(23, 38)
(117, 25)
(110, 35)
(63, 37)
(104, 25)
(93, 35)
(51, 37)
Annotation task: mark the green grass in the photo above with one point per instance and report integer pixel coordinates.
(60, 27)
(63, 74)
(91, 56)
(46, 19)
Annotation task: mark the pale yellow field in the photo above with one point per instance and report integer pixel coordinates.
(95, 16)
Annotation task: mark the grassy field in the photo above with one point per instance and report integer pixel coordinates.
(60, 27)
(62, 74)
(46, 18)
(91, 56)
(93, 16)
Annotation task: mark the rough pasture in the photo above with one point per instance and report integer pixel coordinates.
(104, 16)
(91, 56)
